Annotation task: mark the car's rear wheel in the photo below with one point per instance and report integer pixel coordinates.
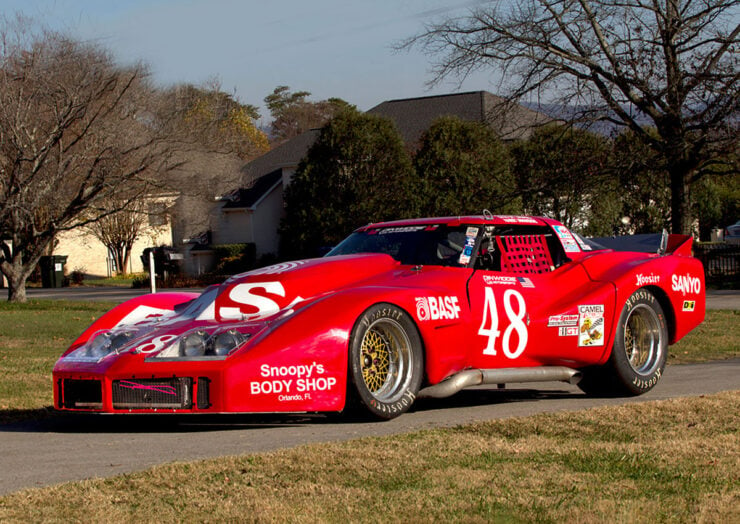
(639, 353)
(385, 360)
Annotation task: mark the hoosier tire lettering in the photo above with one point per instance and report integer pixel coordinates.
(386, 363)
(646, 384)
(639, 353)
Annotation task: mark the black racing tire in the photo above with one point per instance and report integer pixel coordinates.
(639, 353)
(386, 361)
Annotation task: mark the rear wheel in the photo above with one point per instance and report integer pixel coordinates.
(385, 360)
(639, 353)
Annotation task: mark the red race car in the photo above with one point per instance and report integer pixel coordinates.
(397, 311)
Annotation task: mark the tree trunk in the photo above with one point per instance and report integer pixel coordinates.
(17, 290)
(116, 252)
(17, 265)
(126, 258)
(13, 271)
(680, 201)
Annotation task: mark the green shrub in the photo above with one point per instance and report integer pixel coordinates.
(234, 258)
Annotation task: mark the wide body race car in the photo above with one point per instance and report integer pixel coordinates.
(397, 311)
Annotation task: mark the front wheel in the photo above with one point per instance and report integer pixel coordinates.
(385, 360)
(639, 353)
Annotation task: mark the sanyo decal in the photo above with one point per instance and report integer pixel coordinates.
(686, 284)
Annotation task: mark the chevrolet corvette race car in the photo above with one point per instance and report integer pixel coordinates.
(397, 311)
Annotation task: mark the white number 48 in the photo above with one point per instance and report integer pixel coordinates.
(515, 319)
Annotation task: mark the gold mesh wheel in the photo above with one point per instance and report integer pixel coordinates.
(376, 355)
(642, 344)
(385, 364)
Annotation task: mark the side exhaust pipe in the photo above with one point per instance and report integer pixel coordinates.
(476, 377)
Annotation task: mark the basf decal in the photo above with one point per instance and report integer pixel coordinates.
(437, 308)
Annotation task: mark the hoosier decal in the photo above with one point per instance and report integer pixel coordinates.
(437, 308)
(647, 279)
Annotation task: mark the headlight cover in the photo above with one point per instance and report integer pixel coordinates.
(202, 344)
(103, 344)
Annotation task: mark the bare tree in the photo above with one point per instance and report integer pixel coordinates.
(672, 64)
(221, 135)
(119, 231)
(75, 131)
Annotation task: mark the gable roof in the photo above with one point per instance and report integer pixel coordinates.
(288, 154)
(413, 116)
(248, 198)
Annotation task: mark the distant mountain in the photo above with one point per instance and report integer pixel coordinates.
(575, 113)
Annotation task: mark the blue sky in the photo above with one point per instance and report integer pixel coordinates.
(340, 48)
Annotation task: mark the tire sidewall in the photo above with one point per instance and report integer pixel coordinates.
(380, 409)
(634, 382)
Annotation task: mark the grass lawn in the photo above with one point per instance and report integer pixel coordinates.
(35, 334)
(663, 461)
(32, 337)
(118, 281)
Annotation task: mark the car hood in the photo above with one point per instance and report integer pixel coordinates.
(245, 303)
(261, 293)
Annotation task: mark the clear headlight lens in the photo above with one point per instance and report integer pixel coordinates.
(194, 344)
(203, 343)
(227, 341)
(103, 344)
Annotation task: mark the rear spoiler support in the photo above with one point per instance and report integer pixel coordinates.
(675, 244)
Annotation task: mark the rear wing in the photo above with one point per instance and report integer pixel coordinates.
(670, 244)
(679, 245)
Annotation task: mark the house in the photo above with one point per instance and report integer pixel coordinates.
(250, 214)
(253, 213)
(87, 254)
(413, 116)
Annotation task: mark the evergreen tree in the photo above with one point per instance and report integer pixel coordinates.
(463, 169)
(355, 173)
(561, 172)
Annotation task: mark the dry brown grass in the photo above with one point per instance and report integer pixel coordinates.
(666, 461)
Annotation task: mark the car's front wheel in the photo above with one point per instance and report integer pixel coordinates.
(639, 353)
(385, 360)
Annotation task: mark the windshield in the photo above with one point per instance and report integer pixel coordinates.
(434, 244)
